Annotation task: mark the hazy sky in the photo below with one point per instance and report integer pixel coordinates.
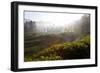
(56, 18)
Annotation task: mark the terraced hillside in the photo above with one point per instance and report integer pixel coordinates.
(56, 47)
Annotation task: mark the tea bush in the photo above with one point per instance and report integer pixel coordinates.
(78, 49)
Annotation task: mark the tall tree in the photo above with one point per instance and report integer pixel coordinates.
(85, 24)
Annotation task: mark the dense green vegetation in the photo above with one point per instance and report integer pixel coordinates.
(77, 49)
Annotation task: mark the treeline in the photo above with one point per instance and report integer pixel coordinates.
(81, 26)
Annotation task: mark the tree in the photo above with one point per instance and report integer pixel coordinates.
(30, 26)
(85, 24)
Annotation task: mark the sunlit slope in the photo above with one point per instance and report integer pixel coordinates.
(78, 49)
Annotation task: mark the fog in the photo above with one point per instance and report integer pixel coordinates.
(55, 23)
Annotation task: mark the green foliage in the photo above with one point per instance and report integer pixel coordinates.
(78, 49)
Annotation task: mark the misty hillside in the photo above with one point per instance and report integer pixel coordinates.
(82, 26)
(49, 41)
